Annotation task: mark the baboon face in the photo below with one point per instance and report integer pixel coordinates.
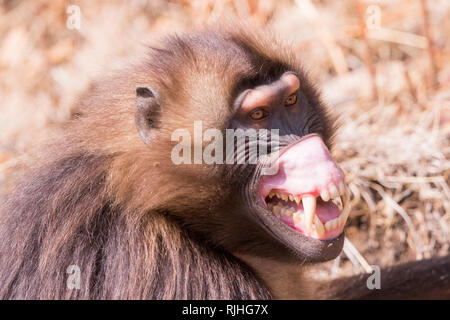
(296, 192)
(286, 201)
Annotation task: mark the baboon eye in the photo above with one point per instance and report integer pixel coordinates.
(259, 114)
(292, 99)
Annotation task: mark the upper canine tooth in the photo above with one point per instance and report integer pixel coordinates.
(298, 199)
(309, 207)
(334, 193)
(284, 197)
(325, 195)
(341, 188)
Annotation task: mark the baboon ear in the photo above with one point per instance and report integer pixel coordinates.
(146, 112)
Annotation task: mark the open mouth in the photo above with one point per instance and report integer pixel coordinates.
(308, 191)
(318, 217)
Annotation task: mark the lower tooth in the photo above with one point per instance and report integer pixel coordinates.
(319, 227)
(297, 217)
(334, 224)
(338, 202)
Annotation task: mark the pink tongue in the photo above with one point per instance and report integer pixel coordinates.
(305, 167)
(327, 211)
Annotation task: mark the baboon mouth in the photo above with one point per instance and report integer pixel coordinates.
(307, 192)
(310, 215)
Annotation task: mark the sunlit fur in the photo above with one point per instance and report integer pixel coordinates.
(136, 225)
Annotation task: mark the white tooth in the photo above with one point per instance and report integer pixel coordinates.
(286, 212)
(337, 201)
(325, 195)
(319, 226)
(291, 197)
(284, 197)
(347, 207)
(271, 194)
(298, 199)
(334, 223)
(344, 215)
(334, 193)
(341, 188)
(309, 207)
(297, 217)
(278, 195)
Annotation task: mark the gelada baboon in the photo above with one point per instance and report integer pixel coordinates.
(111, 199)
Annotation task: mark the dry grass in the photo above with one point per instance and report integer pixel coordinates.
(391, 86)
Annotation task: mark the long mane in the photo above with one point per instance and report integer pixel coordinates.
(63, 215)
(92, 200)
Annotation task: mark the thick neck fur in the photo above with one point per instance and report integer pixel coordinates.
(62, 215)
(285, 280)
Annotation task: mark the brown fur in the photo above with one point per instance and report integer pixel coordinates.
(99, 198)
(426, 279)
(138, 226)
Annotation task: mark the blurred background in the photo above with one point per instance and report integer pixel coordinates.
(383, 66)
